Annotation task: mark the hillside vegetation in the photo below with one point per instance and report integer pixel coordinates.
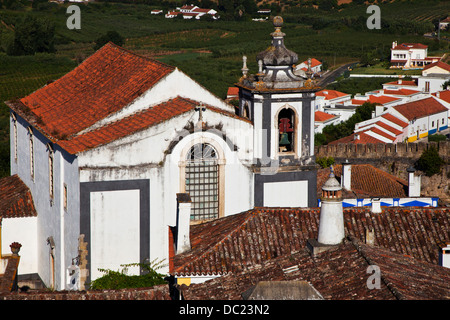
(208, 51)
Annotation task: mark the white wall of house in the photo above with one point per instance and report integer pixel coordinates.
(24, 231)
(54, 220)
(432, 83)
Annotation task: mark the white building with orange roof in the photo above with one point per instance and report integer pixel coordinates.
(410, 56)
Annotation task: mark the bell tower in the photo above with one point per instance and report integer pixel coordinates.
(280, 105)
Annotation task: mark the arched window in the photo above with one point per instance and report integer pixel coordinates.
(286, 130)
(202, 181)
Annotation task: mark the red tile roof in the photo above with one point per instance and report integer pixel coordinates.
(380, 123)
(439, 64)
(134, 123)
(404, 83)
(320, 116)
(362, 138)
(233, 91)
(367, 181)
(241, 241)
(394, 119)
(331, 94)
(341, 273)
(401, 92)
(375, 99)
(103, 84)
(15, 198)
(407, 46)
(443, 95)
(420, 108)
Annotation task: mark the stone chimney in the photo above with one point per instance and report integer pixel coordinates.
(444, 254)
(182, 239)
(346, 179)
(414, 183)
(331, 225)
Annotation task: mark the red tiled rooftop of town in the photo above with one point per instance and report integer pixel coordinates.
(103, 84)
(394, 119)
(15, 198)
(341, 273)
(420, 108)
(401, 92)
(321, 116)
(439, 64)
(239, 242)
(331, 94)
(357, 138)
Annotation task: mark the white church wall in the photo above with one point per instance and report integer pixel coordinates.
(147, 155)
(290, 193)
(53, 220)
(114, 231)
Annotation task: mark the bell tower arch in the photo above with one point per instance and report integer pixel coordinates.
(281, 105)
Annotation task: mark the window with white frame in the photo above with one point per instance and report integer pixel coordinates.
(202, 181)
(51, 182)
(15, 136)
(31, 144)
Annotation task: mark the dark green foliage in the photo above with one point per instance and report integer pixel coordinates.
(32, 35)
(120, 280)
(334, 132)
(430, 162)
(110, 36)
(325, 162)
(437, 137)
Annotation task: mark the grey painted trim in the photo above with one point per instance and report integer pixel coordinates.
(308, 175)
(143, 185)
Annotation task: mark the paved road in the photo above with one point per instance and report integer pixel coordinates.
(329, 77)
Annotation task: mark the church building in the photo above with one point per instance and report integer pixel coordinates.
(106, 149)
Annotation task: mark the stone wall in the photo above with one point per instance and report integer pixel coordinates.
(362, 152)
(395, 159)
(160, 292)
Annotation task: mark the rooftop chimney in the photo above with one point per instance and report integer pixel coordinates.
(183, 241)
(444, 254)
(414, 183)
(376, 205)
(346, 179)
(331, 225)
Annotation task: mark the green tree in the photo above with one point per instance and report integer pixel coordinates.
(112, 36)
(430, 162)
(32, 35)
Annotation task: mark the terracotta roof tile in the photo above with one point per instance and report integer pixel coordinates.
(104, 83)
(394, 119)
(357, 138)
(420, 108)
(331, 94)
(241, 241)
(367, 181)
(439, 64)
(15, 198)
(401, 92)
(134, 123)
(321, 116)
(340, 273)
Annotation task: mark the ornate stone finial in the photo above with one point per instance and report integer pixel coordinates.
(244, 67)
(260, 66)
(278, 23)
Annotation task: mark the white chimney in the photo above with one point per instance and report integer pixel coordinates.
(414, 183)
(346, 179)
(183, 241)
(376, 205)
(331, 224)
(444, 254)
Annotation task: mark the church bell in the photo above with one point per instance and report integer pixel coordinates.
(284, 140)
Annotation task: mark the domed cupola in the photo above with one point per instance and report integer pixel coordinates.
(277, 54)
